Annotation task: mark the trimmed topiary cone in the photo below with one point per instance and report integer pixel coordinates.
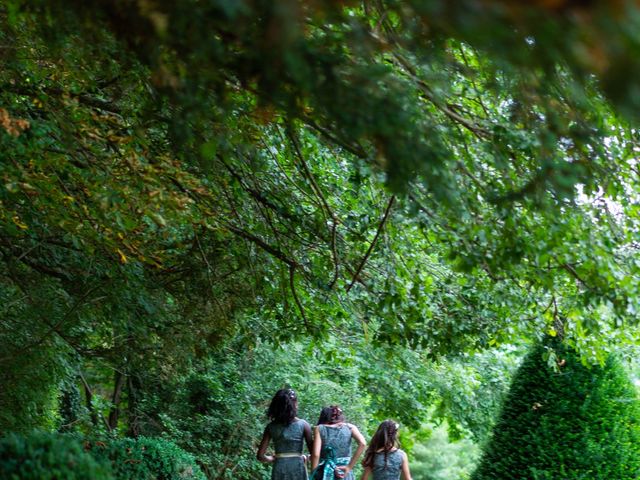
(565, 422)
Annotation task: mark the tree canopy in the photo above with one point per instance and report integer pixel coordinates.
(181, 178)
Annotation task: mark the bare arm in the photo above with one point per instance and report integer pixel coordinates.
(362, 443)
(367, 472)
(406, 475)
(308, 437)
(262, 449)
(315, 450)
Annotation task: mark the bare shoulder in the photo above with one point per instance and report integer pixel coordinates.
(353, 428)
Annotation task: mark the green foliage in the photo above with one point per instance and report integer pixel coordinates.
(189, 174)
(469, 391)
(219, 411)
(371, 186)
(70, 407)
(44, 456)
(437, 458)
(147, 459)
(28, 398)
(564, 419)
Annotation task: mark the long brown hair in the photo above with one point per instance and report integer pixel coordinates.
(384, 439)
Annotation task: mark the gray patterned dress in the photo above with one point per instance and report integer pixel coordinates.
(288, 439)
(393, 467)
(339, 439)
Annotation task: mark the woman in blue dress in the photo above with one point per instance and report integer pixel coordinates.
(288, 433)
(383, 459)
(331, 453)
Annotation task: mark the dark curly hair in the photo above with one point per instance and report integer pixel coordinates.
(385, 439)
(284, 406)
(330, 415)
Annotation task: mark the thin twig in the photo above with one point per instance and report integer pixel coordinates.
(428, 94)
(316, 188)
(262, 244)
(292, 273)
(373, 242)
(209, 271)
(53, 328)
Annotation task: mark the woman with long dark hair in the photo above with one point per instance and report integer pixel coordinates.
(383, 460)
(331, 453)
(288, 433)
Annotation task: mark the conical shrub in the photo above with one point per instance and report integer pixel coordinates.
(566, 421)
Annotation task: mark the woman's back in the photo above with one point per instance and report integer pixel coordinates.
(338, 438)
(287, 438)
(287, 433)
(391, 470)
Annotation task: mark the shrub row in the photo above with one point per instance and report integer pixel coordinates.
(47, 456)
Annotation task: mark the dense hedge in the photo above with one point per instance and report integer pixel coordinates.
(44, 456)
(147, 459)
(565, 421)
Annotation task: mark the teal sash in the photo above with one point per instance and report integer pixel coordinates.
(326, 469)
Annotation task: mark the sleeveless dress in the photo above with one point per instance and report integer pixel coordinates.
(288, 439)
(394, 465)
(339, 439)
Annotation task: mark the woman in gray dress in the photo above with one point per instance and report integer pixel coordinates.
(331, 453)
(383, 459)
(288, 433)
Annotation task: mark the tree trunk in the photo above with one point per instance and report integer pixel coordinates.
(114, 414)
(88, 395)
(133, 387)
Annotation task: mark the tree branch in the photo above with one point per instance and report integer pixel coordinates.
(316, 188)
(262, 244)
(87, 100)
(292, 273)
(373, 242)
(428, 94)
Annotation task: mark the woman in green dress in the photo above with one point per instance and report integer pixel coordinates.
(383, 459)
(331, 453)
(288, 433)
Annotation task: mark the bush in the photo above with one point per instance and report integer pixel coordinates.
(147, 459)
(567, 422)
(44, 456)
